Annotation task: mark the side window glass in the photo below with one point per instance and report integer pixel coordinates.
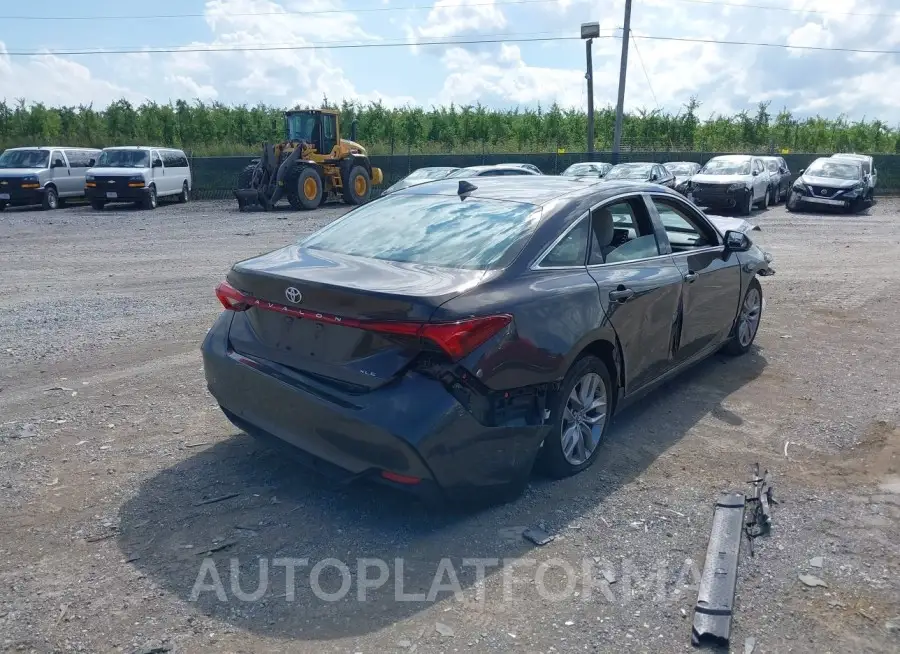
(76, 159)
(684, 230)
(621, 232)
(55, 156)
(182, 160)
(154, 155)
(571, 250)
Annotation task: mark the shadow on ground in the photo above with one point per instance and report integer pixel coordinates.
(280, 512)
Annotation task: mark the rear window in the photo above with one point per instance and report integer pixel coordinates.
(475, 233)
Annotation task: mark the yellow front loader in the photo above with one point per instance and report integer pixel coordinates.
(312, 166)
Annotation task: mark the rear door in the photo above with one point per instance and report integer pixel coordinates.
(78, 163)
(61, 175)
(640, 287)
(712, 281)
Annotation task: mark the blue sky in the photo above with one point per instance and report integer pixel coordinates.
(726, 78)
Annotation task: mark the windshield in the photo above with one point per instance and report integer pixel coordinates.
(581, 169)
(681, 168)
(301, 127)
(771, 165)
(463, 172)
(124, 159)
(726, 167)
(428, 173)
(629, 171)
(834, 169)
(475, 234)
(24, 159)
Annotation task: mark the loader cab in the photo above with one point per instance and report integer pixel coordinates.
(320, 128)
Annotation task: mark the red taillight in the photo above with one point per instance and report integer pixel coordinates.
(457, 339)
(231, 298)
(399, 479)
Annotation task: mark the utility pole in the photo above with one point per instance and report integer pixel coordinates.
(589, 31)
(623, 69)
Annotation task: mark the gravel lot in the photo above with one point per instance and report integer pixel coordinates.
(109, 444)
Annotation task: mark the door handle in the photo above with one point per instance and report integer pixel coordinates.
(691, 277)
(621, 294)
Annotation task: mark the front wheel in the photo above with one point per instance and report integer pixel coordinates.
(579, 418)
(747, 324)
(51, 199)
(2, 206)
(357, 186)
(150, 199)
(791, 203)
(747, 207)
(97, 205)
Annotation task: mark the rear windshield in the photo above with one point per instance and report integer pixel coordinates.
(429, 173)
(464, 172)
(24, 159)
(124, 159)
(680, 168)
(436, 230)
(726, 167)
(581, 169)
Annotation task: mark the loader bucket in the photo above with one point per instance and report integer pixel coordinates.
(249, 200)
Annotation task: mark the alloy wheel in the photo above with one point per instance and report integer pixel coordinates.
(750, 314)
(583, 419)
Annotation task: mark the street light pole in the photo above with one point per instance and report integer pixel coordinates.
(623, 69)
(588, 32)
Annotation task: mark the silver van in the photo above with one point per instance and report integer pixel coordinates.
(138, 174)
(44, 175)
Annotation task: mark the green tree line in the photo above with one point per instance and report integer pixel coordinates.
(220, 129)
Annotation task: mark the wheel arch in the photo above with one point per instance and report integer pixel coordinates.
(609, 351)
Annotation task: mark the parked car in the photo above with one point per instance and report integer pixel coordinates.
(420, 176)
(44, 175)
(869, 169)
(138, 174)
(444, 337)
(831, 181)
(587, 169)
(779, 178)
(642, 172)
(492, 171)
(683, 171)
(732, 181)
(528, 166)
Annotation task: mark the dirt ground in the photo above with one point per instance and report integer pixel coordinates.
(110, 445)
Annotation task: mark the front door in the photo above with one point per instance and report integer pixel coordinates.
(712, 282)
(158, 173)
(329, 133)
(640, 289)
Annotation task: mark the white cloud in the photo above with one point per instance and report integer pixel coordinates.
(453, 17)
(810, 35)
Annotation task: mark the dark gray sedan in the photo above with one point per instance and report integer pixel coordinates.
(445, 337)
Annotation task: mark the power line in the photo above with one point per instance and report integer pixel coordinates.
(312, 12)
(644, 68)
(789, 9)
(341, 45)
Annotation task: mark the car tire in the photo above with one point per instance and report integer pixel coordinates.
(185, 194)
(50, 200)
(790, 203)
(764, 203)
(747, 207)
(746, 326)
(97, 205)
(150, 200)
(565, 451)
(2, 206)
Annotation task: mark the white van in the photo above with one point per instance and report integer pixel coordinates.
(43, 175)
(138, 174)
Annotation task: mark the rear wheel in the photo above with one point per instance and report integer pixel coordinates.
(97, 205)
(185, 194)
(579, 418)
(150, 199)
(747, 324)
(764, 203)
(357, 186)
(304, 187)
(51, 199)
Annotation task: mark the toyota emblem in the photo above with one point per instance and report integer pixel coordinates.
(293, 295)
(824, 191)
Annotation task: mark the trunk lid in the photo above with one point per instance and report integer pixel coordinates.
(310, 300)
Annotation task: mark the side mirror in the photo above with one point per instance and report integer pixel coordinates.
(736, 241)
(755, 173)
(157, 163)
(800, 172)
(58, 163)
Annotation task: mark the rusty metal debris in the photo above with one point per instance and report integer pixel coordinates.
(760, 503)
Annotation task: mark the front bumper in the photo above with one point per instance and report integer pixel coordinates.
(720, 196)
(20, 197)
(829, 197)
(120, 194)
(413, 427)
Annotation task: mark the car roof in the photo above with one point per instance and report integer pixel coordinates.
(849, 155)
(536, 190)
(692, 163)
(769, 156)
(140, 147)
(845, 160)
(734, 157)
(638, 163)
(49, 147)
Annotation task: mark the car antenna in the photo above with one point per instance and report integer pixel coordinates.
(465, 188)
